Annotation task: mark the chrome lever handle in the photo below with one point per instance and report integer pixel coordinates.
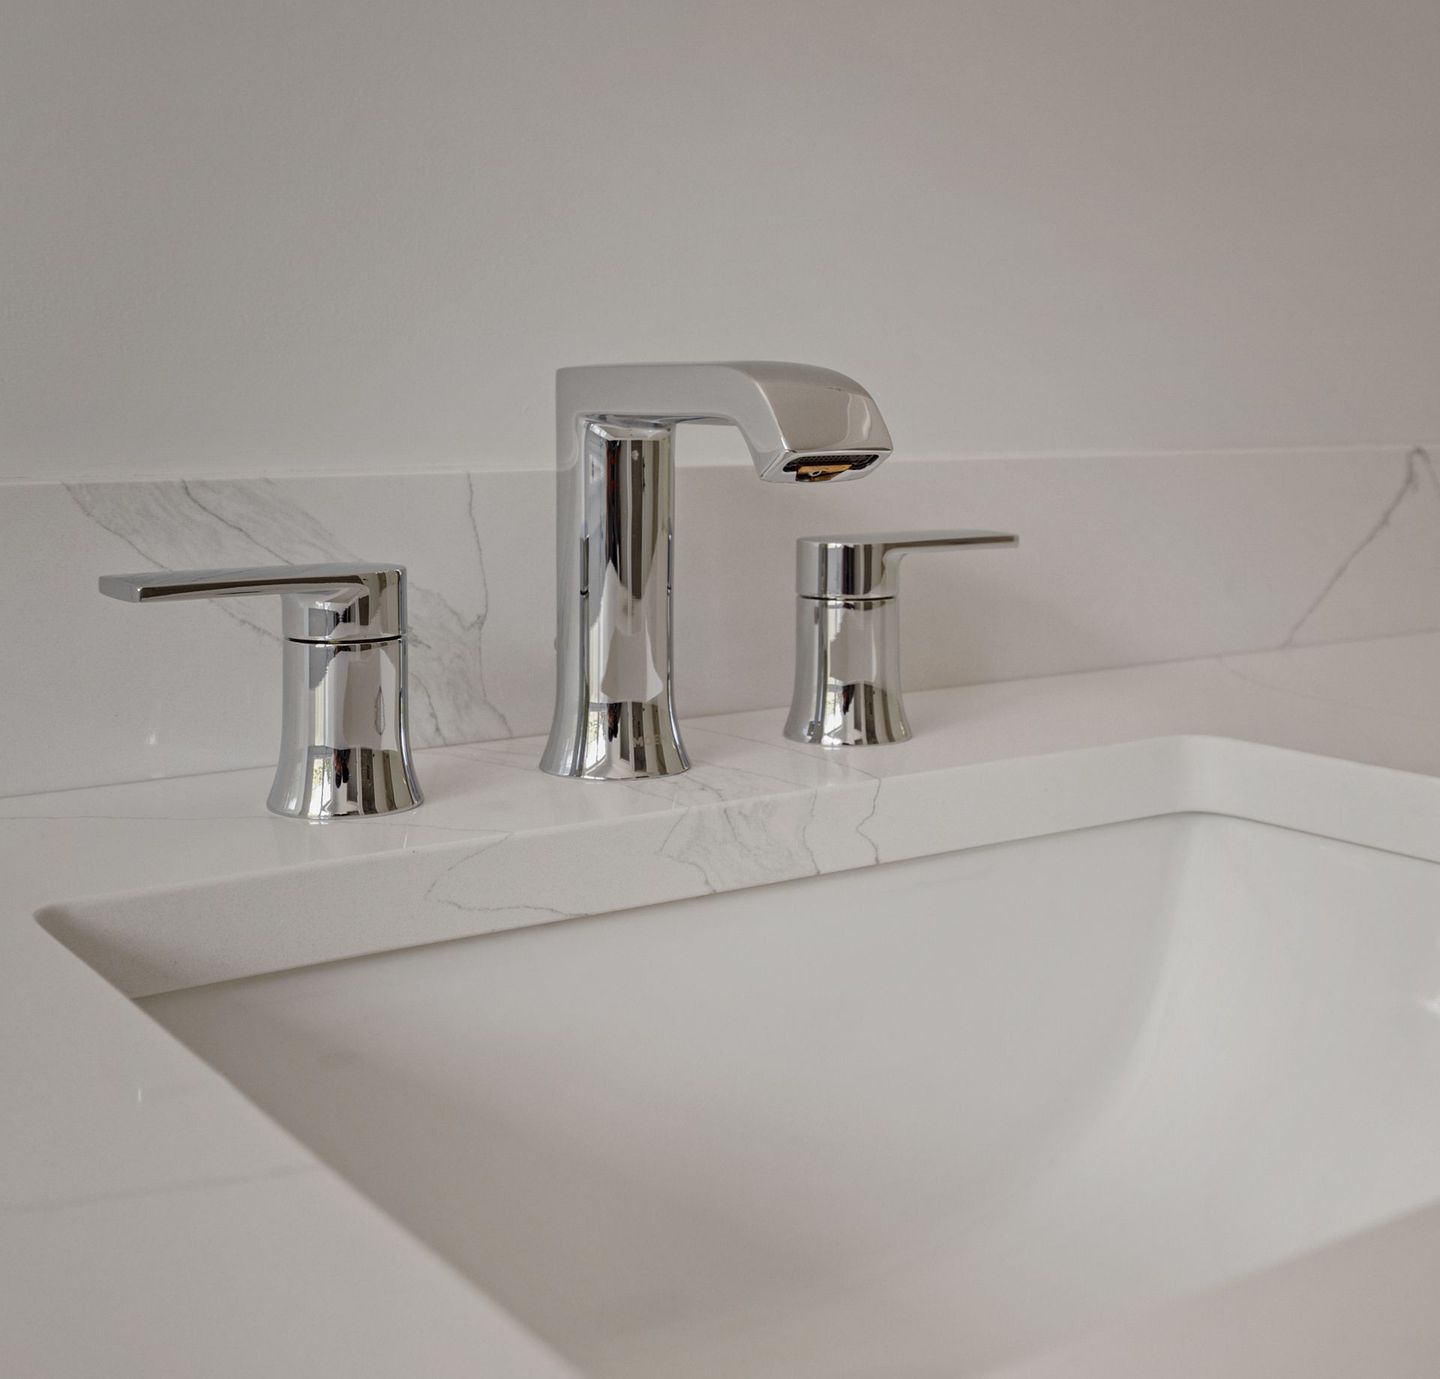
(321, 603)
(847, 633)
(866, 565)
(345, 743)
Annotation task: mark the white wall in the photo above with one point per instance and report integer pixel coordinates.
(287, 235)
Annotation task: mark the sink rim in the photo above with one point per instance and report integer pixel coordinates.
(1326, 1243)
(167, 938)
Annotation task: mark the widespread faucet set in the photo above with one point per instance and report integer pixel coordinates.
(344, 745)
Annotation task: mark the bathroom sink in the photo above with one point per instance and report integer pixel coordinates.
(918, 1119)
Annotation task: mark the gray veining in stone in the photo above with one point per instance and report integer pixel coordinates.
(180, 525)
(1418, 481)
(1123, 560)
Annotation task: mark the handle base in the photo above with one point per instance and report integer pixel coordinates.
(847, 674)
(343, 782)
(850, 715)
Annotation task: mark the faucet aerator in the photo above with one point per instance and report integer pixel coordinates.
(816, 469)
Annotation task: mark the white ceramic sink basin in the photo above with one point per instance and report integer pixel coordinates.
(911, 1121)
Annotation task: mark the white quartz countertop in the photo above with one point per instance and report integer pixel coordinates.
(154, 1223)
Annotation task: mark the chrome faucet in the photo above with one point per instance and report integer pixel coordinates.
(344, 743)
(847, 633)
(614, 712)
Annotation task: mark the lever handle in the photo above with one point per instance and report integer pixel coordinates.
(322, 603)
(865, 565)
(344, 738)
(847, 633)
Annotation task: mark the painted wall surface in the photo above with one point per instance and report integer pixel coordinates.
(273, 238)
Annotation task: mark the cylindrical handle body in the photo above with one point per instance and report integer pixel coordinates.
(344, 745)
(847, 673)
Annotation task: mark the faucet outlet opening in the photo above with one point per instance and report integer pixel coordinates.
(812, 469)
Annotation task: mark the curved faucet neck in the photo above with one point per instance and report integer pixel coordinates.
(784, 411)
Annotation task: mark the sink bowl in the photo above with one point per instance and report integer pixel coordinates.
(915, 1120)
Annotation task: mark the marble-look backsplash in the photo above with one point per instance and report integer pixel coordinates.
(1122, 561)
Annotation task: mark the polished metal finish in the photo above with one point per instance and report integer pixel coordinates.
(867, 565)
(344, 743)
(615, 431)
(847, 633)
(320, 603)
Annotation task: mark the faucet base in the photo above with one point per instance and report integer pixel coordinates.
(344, 782)
(620, 740)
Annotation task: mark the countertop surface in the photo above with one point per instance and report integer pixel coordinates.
(154, 1222)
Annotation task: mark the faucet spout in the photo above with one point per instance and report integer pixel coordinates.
(615, 431)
